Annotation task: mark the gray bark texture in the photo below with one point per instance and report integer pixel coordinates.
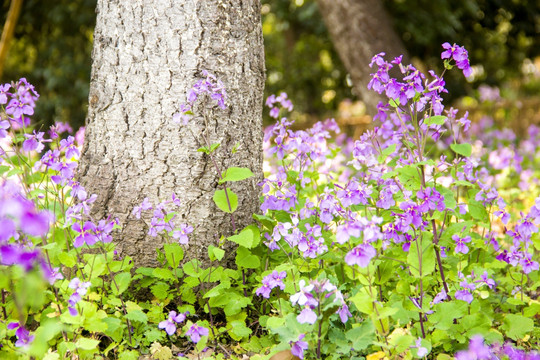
(147, 54)
(359, 30)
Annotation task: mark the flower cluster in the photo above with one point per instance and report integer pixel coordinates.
(81, 288)
(310, 296)
(161, 222)
(211, 86)
(479, 350)
(460, 55)
(273, 280)
(272, 101)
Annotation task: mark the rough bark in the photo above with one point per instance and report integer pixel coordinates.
(147, 54)
(359, 30)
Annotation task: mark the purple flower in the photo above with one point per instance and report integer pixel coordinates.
(528, 264)
(460, 244)
(104, 229)
(80, 290)
(307, 316)
(86, 234)
(23, 336)
(421, 351)
(182, 234)
(15, 254)
(34, 142)
(298, 347)
(195, 332)
(486, 280)
(360, 255)
(464, 295)
(304, 296)
(145, 205)
(3, 93)
(170, 324)
(440, 297)
(477, 351)
(344, 313)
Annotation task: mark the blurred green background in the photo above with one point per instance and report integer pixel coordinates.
(52, 47)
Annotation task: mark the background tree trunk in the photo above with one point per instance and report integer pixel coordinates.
(147, 55)
(359, 30)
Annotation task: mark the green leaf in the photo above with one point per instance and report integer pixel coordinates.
(449, 199)
(427, 256)
(114, 328)
(462, 149)
(67, 259)
(220, 198)
(86, 344)
(235, 174)
(239, 330)
(137, 315)
(478, 211)
(249, 237)
(389, 150)
(246, 260)
(3, 169)
(216, 290)
(160, 290)
(234, 307)
(517, 326)
(268, 222)
(409, 176)
(122, 280)
(164, 274)
(362, 336)
(446, 312)
(44, 333)
(174, 254)
(435, 120)
(215, 253)
(15, 171)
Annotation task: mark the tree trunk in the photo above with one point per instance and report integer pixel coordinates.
(361, 29)
(147, 55)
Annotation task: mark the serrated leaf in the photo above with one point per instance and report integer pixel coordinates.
(220, 198)
(160, 290)
(137, 315)
(464, 149)
(164, 274)
(249, 237)
(236, 174)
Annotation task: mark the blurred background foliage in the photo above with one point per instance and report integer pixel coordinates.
(52, 48)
